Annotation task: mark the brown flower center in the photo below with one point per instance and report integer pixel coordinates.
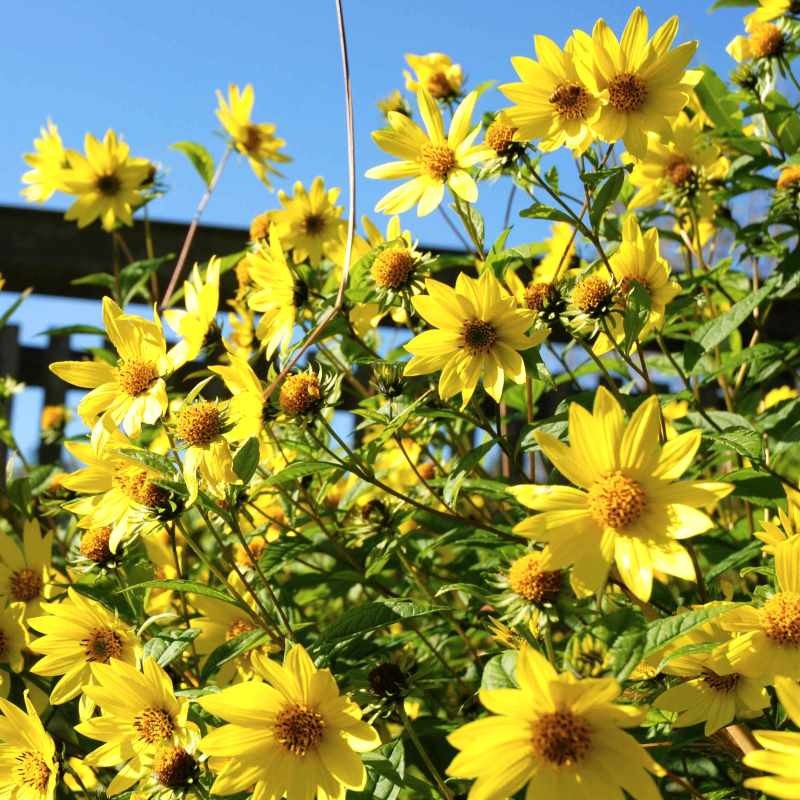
(136, 377)
(108, 185)
(720, 683)
(392, 268)
(154, 725)
(527, 579)
(438, 86)
(3, 643)
(539, 294)
(313, 224)
(26, 585)
(251, 138)
(766, 40)
(438, 160)
(102, 644)
(592, 294)
(570, 100)
(479, 336)
(627, 92)
(500, 137)
(616, 501)
(680, 172)
(790, 176)
(31, 770)
(199, 423)
(238, 627)
(300, 394)
(299, 728)
(780, 618)
(561, 738)
(137, 485)
(173, 767)
(94, 544)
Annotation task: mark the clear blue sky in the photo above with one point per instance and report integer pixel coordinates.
(149, 70)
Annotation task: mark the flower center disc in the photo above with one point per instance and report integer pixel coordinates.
(720, 683)
(680, 172)
(479, 336)
(781, 618)
(561, 737)
(237, 628)
(199, 424)
(392, 268)
(627, 92)
(528, 580)
(154, 725)
(173, 767)
(313, 224)
(3, 643)
(591, 294)
(616, 501)
(438, 160)
(251, 141)
(108, 185)
(299, 729)
(766, 40)
(31, 770)
(136, 377)
(26, 585)
(538, 295)
(570, 100)
(300, 394)
(102, 644)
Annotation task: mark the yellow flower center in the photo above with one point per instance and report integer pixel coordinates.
(3, 643)
(199, 424)
(780, 618)
(94, 544)
(680, 172)
(31, 770)
(616, 501)
(479, 336)
(238, 627)
(136, 377)
(720, 683)
(313, 224)
(108, 185)
(392, 268)
(154, 725)
(299, 728)
(561, 737)
(570, 100)
(527, 579)
(539, 294)
(102, 644)
(138, 486)
(25, 584)
(766, 40)
(300, 394)
(500, 137)
(790, 176)
(627, 92)
(173, 766)
(591, 294)
(438, 85)
(438, 160)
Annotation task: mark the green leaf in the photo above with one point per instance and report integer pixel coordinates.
(720, 105)
(245, 462)
(605, 196)
(734, 560)
(637, 312)
(623, 630)
(542, 211)
(95, 279)
(744, 441)
(298, 469)
(177, 585)
(374, 615)
(386, 769)
(150, 459)
(68, 330)
(500, 671)
(662, 632)
(686, 650)
(166, 647)
(200, 158)
(9, 312)
(231, 649)
(755, 487)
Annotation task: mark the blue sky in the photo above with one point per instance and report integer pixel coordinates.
(149, 70)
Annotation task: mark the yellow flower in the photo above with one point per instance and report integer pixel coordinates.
(434, 72)
(277, 294)
(140, 715)
(641, 82)
(559, 734)
(763, 40)
(781, 753)
(766, 640)
(197, 322)
(785, 527)
(256, 141)
(638, 261)
(679, 167)
(53, 417)
(293, 736)
(777, 395)
(478, 334)
(242, 335)
(309, 223)
(394, 102)
(672, 410)
(28, 763)
(629, 507)
(133, 392)
(49, 166)
(78, 632)
(560, 248)
(772, 9)
(106, 181)
(552, 101)
(26, 573)
(13, 637)
(86, 775)
(431, 159)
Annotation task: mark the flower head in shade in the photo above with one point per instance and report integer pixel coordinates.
(436, 73)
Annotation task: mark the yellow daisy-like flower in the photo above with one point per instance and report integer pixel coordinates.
(680, 166)
(133, 392)
(479, 333)
(255, 140)
(140, 715)
(553, 103)
(431, 159)
(629, 507)
(641, 82)
(638, 261)
(781, 753)
(13, 639)
(777, 395)
(763, 40)
(26, 573)
(277, 294)
(293, 736)
(560, 735)
(49, 165)
(28, 763)
(671, 411)
(772, 9)
(786, 526)
(106, 181)
(766, 640)
(78, 632)
(309, 222)
(197, 322)
(434, 72)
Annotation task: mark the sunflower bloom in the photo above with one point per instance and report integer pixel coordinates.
(140, 716)
(763, 40)
(49, 165)
(781, 753)
(641, 82)
(431, 159)
(107, 182)
(133, 392)
(629, 507)
(254, 140)
(559, 735)
(478, 334)
(14, 639)
(553, 104)
(435, 73)
(28, 763)
(78, 632)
